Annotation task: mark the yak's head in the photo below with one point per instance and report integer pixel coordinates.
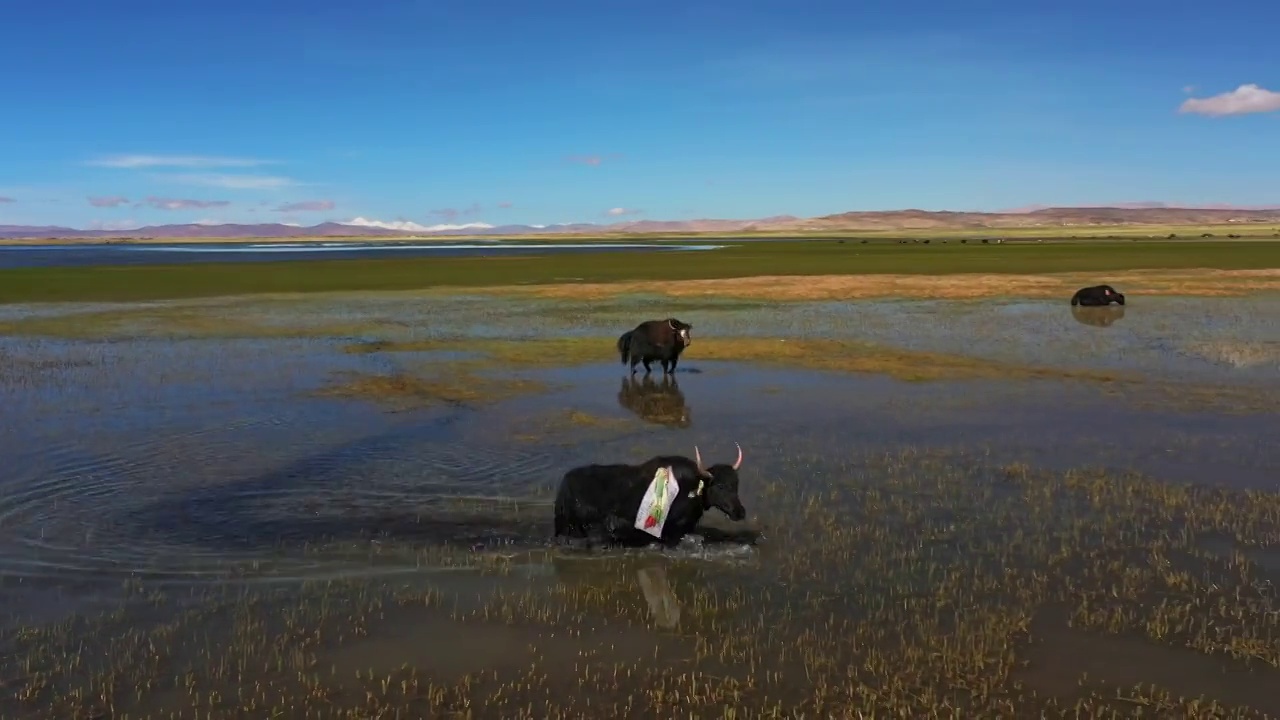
(684, 331)
(1112, 294)
(721, 488)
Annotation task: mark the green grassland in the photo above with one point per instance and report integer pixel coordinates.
(799, 258)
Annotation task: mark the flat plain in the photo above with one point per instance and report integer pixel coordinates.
(324, 490)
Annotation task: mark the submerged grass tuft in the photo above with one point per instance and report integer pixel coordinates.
(404, 391)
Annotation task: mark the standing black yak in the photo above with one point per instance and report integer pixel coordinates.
(1097, 295)
(651, 340)
(661, 500)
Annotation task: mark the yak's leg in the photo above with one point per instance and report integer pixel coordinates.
(665, 369)
(634, 361)
(647, 369)
(571, 529)
(599, 537)
(617, 529)
(674, 361)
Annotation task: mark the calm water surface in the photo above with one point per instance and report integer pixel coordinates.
(16, 256)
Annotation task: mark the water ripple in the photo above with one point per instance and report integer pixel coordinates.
(164, 509)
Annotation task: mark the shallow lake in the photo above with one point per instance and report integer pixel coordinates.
(67, 255)
(190, 522)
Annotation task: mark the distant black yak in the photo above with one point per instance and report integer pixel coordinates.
(659, 501)
(651, 340)
(1097, 295)
(659, 403)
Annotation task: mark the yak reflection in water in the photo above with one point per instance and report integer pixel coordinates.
(611, 578)
(663, 605)
(655, 401)
(1098, 316)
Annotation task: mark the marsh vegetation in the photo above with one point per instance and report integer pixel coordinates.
(340, 506)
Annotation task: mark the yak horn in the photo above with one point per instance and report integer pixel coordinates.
(697, 458)
(738, 463)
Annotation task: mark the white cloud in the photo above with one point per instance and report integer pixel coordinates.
(410, 226)
(188, 161)
(232, 182)
(618, 211)
(1248, 98)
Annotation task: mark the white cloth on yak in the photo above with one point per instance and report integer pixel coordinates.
(655, 505)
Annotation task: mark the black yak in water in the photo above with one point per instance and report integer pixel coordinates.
(1097, 295)
(661, 340)
(661, 500)
(659, 403)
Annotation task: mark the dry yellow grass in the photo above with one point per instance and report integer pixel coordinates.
(565, 427)
(1197, 282)
(845, 356)
(813, 354)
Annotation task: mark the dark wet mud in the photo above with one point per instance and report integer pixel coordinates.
(193, 527)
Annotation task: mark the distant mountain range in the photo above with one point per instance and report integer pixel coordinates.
(886, 220)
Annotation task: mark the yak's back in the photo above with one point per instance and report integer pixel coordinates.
(656, 332)
(621, 485)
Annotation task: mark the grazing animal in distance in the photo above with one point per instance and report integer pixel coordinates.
(1097, 295)
(658, 403)
(661, 340)
(604, 502)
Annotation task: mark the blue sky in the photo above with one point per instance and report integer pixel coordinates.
(500, 112)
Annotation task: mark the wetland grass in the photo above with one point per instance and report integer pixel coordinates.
(810, 354)
(906, 584)
(744, 260)
(407, 390)
(1049, 283)
(840, 356)
(569, 427)
(894, 581)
